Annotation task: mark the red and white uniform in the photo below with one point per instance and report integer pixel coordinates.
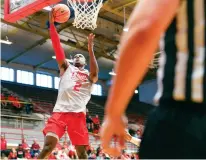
(74, 91)
(69, 111)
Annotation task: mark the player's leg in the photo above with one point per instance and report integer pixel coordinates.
(78, 133)
(149, 148)
(81, 151)
(49, 145)
(54, 129)
(174, 130)
(163, 133)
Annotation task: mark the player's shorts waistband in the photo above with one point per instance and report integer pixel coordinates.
(70, 113)
(183, 104)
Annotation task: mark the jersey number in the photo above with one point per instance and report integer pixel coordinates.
(77, 86)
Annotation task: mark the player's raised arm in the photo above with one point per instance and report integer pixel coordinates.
(59, 52)
(94, 69)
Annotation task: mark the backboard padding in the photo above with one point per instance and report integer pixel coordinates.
(19, 12)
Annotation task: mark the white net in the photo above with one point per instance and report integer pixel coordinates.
(86, 13)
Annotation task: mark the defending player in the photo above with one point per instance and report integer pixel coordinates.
(73, 95)
(177, 127)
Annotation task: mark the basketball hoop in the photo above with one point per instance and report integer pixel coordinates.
(86, 13)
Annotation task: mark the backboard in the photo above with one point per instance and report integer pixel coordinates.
(16, 9)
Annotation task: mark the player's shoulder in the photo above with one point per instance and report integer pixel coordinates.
(86, 71)
(76, 69)
(82, 70)
(71, 66)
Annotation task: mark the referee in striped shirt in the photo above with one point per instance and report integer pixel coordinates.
(177, 127)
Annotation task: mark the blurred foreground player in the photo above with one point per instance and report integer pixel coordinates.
(73, 95)
(177, 127)
(127, 137)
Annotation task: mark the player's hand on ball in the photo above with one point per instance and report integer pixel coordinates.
(113, 127)
(51, 16)
(91, 41)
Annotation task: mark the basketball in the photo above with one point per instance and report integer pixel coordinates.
(61, 13)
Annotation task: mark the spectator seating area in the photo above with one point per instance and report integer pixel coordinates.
(9, 98)
(64, 150)
(42, 100)
(41, 103)
(22, 151)
(14, 136)
(13, 105)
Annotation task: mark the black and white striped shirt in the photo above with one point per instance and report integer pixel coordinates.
(182, 72)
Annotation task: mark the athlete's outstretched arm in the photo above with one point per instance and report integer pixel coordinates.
(94, 69)
(146, 24)
(59, 52)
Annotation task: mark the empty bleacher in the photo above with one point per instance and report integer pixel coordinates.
(44, 99)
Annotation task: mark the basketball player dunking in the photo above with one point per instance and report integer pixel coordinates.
(177, 127)
(73, 95)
